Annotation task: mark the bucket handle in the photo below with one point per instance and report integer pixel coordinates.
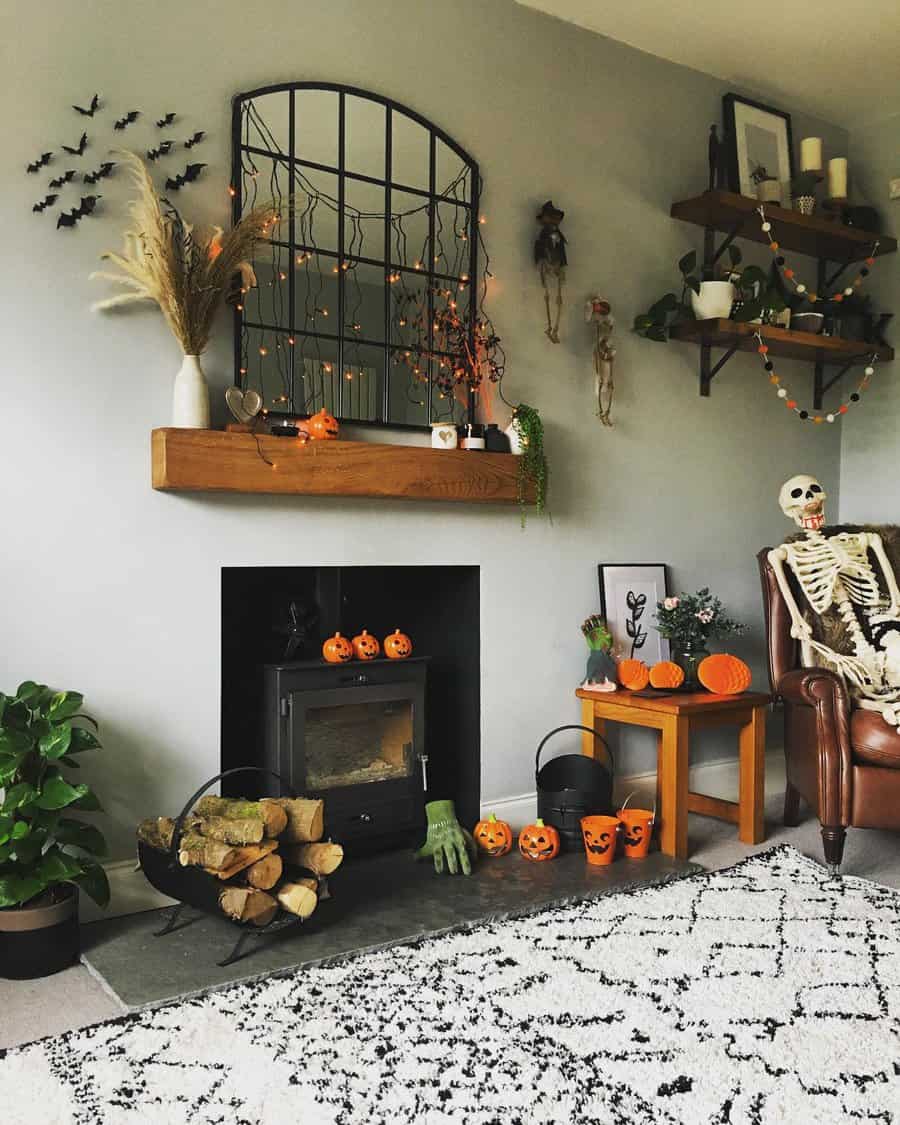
(628, 798)
(571, 726)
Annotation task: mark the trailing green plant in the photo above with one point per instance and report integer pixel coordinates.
(533, 468)
(41, 848)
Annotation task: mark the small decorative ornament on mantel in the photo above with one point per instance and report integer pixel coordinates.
(187, 272)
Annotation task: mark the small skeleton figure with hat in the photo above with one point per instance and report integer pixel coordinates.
(550, 258)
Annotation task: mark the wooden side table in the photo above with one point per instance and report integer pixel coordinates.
(676, 716)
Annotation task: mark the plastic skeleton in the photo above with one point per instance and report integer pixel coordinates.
(836, 571)
(551, 259)
(597, 315)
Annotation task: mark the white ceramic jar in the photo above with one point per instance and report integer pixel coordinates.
(443, 435)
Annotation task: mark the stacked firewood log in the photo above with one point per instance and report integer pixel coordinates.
(266, 853)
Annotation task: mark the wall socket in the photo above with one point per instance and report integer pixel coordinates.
(894, 188)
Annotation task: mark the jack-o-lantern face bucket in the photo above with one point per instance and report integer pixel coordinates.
(600, 834)
(637, 830)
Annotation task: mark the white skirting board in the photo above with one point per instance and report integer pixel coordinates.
(132, 894)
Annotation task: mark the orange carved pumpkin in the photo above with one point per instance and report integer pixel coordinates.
(322, 426)
(397, 646)
(634, 675)
(539, 841)
(724, 674)
(493, 836)
(365, 646)
(666, 674)
(337, 649)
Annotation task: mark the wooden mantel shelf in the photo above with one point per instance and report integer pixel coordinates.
(216, 461)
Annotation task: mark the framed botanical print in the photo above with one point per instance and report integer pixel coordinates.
(760, 145)
(628, 596)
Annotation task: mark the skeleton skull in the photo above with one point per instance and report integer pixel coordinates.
(802, 500)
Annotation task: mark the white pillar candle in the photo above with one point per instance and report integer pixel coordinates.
(837, 178)
(811, 154)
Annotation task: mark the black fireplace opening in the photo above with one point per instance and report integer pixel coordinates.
(375, 739)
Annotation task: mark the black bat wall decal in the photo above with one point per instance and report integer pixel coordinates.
(100, 173)
(188, 176)
(195, 139)
(71, 218)
(95, 105)
(163, 149)
(164, 122)
(65, 178)
(79, 148)
(43, 159)
(43, 204)
(128, 119)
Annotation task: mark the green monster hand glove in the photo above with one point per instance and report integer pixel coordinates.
(446, 840)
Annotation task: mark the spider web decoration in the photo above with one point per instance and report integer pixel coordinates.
(372, 306)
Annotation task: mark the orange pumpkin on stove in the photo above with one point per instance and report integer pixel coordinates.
(493, 836)
(633, 674)
(724, 674)
(666, 674)
(365, 646)
(397, 646)
(337, 650)
(539, 841)
(322, 426)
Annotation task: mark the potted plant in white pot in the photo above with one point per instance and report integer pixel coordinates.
(46, 854)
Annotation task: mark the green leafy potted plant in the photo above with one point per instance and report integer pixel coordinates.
(46, 855)
(689, 621)
(528, 441)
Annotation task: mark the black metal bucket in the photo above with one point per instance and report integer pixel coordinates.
(571, 787)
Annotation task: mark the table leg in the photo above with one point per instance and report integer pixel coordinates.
(593, 722)
(752, 741)
(673, 784)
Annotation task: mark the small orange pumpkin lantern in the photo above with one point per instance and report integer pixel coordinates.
(493, 836)
(634, 675)
(322, 426)
(724, 674)
(397, 646)
(666, 674)
(365, 646)
(337, 650)
(539, 841)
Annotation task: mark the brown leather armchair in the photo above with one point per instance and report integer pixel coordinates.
(844, 763)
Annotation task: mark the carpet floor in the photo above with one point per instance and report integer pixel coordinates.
(764, 992)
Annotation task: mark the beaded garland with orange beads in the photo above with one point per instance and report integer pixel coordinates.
(792, 404)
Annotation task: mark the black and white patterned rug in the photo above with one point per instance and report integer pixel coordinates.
(766, 992)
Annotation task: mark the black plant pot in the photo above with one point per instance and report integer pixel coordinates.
(36, 941)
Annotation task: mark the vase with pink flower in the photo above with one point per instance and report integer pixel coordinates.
(689, 621)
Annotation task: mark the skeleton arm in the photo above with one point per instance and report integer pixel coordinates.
(800, 630)
(873, 541)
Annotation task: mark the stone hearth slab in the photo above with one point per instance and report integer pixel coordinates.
(377, 902)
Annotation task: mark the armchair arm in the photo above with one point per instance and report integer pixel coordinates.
(827, 737)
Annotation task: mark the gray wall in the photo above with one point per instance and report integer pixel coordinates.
(870, 452)
(113, 589)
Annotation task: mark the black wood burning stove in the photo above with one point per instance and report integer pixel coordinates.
(353, 734)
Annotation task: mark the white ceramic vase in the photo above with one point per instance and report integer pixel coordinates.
(443, 435)
(714, 300)
(190, 397)
(515, 442)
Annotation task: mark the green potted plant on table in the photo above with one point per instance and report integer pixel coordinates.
(46, 854)
(526, 433)
(689, 621)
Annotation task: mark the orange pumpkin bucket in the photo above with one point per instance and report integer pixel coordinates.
(637, 830)
(600, 834)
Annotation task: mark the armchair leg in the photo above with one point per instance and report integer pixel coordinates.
(791, 806)
(833, 843)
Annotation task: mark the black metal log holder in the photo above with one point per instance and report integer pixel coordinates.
(192, 886)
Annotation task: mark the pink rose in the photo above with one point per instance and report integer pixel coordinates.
(670, 603)
(704, 615)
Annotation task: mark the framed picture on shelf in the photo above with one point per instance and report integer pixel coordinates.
(628, 596)
(760, 145)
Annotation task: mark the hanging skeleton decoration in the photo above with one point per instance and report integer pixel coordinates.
(836, 571)
(550, 258)
(597, 315)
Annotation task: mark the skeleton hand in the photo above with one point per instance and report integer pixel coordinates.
(446, 840)
(801, 631)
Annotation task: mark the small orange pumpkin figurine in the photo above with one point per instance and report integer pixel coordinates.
(337, 650)
(634, 675)
(539, 841)
(493, 836)
(365, 646)
(397, 646)
(724, 674)
(666, 674)
(322, 426)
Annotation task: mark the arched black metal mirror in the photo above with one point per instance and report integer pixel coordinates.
(368, 297)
